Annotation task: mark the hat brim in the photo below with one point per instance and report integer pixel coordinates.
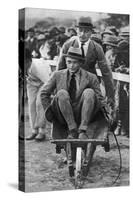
(85, 26)
(122, 50)
(111, 44)
(74, 56)
(107, 32)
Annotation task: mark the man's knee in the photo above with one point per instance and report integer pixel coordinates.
(62, 95)
(89, 93)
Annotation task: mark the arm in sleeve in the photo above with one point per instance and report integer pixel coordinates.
(106, 73)
(47, 90)
(104, 107)
(94, 84)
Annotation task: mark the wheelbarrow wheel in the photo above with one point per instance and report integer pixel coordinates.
(78, 172)
(78, 160)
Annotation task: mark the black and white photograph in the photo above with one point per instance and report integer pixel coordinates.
(74, 91)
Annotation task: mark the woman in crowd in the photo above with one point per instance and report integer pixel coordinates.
(38, 74)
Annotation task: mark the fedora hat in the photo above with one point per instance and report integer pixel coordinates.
(107, 31)
(123, 46)
(124, 34)
(62, 29)
(114, 30)
(85, 22)
(97, 38)
(75, 53)
(111, 40)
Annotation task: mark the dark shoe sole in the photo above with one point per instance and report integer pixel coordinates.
(40, 139)
(32, 137)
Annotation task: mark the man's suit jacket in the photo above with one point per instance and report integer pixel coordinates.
(94, 54)
(59, 81)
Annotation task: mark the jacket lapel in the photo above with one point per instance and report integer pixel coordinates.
(64, 80)
(90, 51)
(75, 44)
(83, 82)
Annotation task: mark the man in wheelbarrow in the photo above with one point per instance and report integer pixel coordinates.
(77, 96)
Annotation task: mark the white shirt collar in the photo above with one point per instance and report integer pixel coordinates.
(76, 73)
(85, 44)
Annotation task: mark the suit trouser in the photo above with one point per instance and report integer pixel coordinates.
(77, 114)
(36, 111)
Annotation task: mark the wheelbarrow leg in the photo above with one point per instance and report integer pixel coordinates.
(69, 159)
(88, 158)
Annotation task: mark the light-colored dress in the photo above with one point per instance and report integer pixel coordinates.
(39, 74)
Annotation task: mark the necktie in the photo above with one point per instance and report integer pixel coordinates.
(82, 49)
(72, 87)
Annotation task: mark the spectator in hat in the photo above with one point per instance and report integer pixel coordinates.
(93, 53)
(39, 39)
(62, 29)
(71, 32)
(122, 90)
(122, 60)
(113, 30)
(38, 74)
(30, 40)
(48, 49)
(106, 33)
(124, 35)
(109, 30)
(62, 37)
(110, 44)
(54, 31)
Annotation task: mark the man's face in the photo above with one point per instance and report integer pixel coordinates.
(105, 35)
(84, 34)
(73, 64)
(31, 34)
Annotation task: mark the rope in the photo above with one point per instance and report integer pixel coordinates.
(118, 176)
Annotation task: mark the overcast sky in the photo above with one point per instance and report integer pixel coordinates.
(42, 13)
(32, 15)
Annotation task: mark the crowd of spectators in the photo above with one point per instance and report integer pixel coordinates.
(47, 45)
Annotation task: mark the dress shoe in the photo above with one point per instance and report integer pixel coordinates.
(83, 135)
(118, 131)
(32, 137)
(21, 137)
(40, 137)
(72, 134)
